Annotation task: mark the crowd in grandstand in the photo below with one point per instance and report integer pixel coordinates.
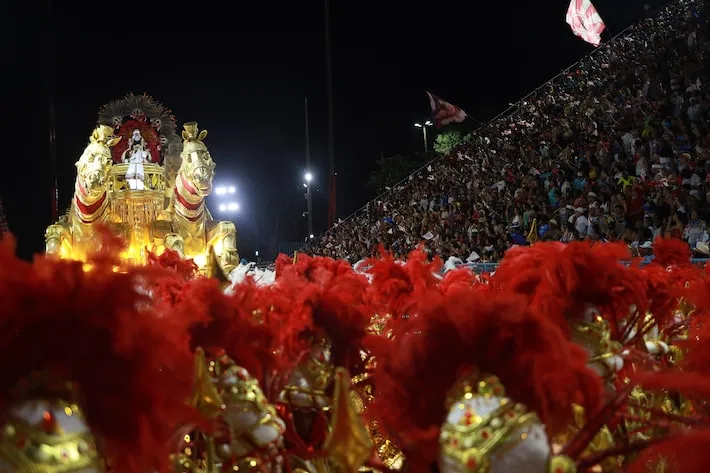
(617, 148)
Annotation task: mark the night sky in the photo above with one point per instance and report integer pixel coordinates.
(242, 70)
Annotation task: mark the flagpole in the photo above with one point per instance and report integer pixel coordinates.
(332, 196)
(52, 113)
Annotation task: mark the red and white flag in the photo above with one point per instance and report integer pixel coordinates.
(585, 21)
(443, 112)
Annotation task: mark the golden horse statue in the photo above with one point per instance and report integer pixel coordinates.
(102, 195)
(72, 235)
(192, 230)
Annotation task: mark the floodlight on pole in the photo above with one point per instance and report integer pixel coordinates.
(220, 190)
(309, 199)
(231, 189)
(233, 207)
(424, 126)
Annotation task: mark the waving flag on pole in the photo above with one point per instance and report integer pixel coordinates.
(443, 112)
(585, 21)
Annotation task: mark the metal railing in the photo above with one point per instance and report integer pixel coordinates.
(475, 133)
(491, 267)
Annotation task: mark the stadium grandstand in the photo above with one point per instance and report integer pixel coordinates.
(616, 147)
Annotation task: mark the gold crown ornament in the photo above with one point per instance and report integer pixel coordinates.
(307, 386)
(487, 432)
(45, 436)
(193, 138)
(604, 353)
(248, 434)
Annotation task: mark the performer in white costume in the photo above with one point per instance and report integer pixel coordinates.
(136, 155)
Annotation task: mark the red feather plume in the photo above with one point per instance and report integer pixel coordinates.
(684, 452)
(466, 329)
(128, 361)
(462, 279)
(671, 252)
(395, 284)
(178, 272)
(326, 295)
(563, 280)
(227, 323)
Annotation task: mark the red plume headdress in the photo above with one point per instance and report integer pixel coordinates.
(465, 330)
(98, 330)
(329, 296)
(564, 280)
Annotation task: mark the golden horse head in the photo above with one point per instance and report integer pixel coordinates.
(94, 165)
(197, 166)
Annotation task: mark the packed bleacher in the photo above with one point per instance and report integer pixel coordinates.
(615, 148)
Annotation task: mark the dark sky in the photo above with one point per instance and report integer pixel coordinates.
(242, 70)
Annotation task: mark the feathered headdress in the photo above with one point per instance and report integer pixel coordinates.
(473, 331)
(128, 365)
(326, 295)
(396, 284)
(230, 324)
(684, 448)
(178, 272)
(563, 281)
(156, 122)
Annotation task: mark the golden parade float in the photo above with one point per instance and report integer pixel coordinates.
(148, 185)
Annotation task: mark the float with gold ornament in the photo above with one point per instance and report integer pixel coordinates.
(148, 184)
(163, 368)
(141, 348)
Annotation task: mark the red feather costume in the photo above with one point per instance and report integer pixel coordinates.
(125, 360)
(323, 322)
(465, 331)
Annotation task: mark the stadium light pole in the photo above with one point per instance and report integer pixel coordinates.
(309, 198)
(424, 126)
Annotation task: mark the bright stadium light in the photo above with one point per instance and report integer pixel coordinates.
(222, 208)
(308, 177)
(231, 189)
(233, 207)
(220, 190)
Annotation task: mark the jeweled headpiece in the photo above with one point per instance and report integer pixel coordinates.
(518, 373)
